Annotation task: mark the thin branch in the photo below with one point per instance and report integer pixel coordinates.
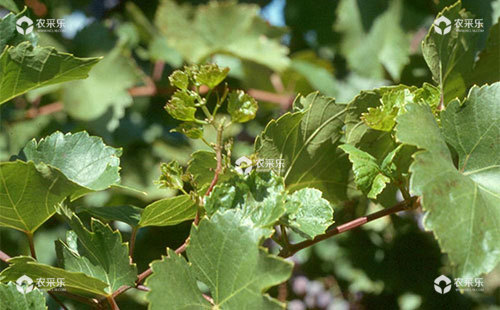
(32, 244)
(158, 70)
(285, 101)
(57, 300)
(44, 110)
(4, 256)
(218, 156)
(132, 244)
(89, 301)
(294, 248)
(112, 303)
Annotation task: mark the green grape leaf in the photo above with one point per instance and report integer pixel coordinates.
(29, 194)
(259, 196)
(73, 281)
(236, 270)
(104, 95)
(384, 46)
(168, 211)
(181, 292)
(450, 56)
(461, 203)
(220, 28)
(9, 34)
(210, 75)
(83, 159)
(486, 69)
(307, 142)
(127, 214)
(179, 79)
(367, 173)
(182, 105)
(241, 106)
(190, 129)
(12, 299)
(307, 213)
(24, 67)
(98, 252)
(201, 167)
(171, 175)
(9, 5)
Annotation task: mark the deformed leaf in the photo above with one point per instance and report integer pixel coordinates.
(171, 175)
(461, 203)
(192, 130)
(210, 75)
(98, 252)
(307, 142)
(169, 211)
(181, 105)
(367, 172)
(236, 270)
(12, 299)
(486, 69)
(29, 194)
(450, 56)
(307, 213)
(83, 159)
(8, 32)
(104, 95)
(24, 67)
(220, 28)
(179, 79)
(201, 168)
(259, 196)
(73, 281)
(241, 106)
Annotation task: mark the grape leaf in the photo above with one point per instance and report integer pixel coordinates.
(201, 168)
(73, 281)
(241, 106)
(24, 67)
(307, 141)
(383, 47)
(98, 253)
(126, 213)
(168, 211)
(259, 196)
(220, 28)
(450, 56)
(307, 213)
(29, 194)
(236, 270)
(83, 159)
(9, 34)
(9, 5)
(367, 172)
(462, 204)
(487, 68)
(105, 91)
(12, 299)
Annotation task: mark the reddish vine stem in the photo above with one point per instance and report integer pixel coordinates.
(294, 248)
(4, 256)
(112, 303)
(57, 300)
